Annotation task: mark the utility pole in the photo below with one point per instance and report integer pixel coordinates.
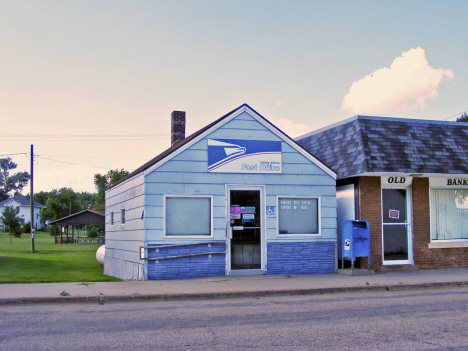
(33, 231)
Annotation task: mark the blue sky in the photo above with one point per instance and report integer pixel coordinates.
(93, 83)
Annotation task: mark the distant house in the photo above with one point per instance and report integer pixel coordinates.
(409, 179)
(23, 206)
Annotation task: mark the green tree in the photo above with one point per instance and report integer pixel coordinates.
(58, 204)
(463, 118)
(11, 183)
(41, 197)
(104, 182)
(87, 200)
(80, 201)
(11, 222)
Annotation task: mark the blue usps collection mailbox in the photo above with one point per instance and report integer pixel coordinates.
(356, 240)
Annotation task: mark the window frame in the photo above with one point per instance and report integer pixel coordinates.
(122, 216)
(432, 220)
(111, 219)
(166, 236)
(319, 216)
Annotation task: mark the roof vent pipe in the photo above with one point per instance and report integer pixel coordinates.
(177, 126)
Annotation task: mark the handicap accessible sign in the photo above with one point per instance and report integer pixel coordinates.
(244, 156)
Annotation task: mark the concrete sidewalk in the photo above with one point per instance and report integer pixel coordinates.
(228, 286)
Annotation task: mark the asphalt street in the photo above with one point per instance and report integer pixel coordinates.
(419, 319)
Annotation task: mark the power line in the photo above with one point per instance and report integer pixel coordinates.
(99, 158)
(84, 135)
(70, 163)
(88, 140)
(455, 115)
(20, 153)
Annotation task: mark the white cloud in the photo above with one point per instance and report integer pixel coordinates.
(290, 127)
(404, 86)
(78, 177)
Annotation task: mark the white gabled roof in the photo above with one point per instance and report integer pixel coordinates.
(11, 202)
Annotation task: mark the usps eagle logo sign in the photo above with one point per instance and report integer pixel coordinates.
(244, 156)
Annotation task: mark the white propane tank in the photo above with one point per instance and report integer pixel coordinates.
(100, 253)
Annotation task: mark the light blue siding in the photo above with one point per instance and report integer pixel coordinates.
(186, 173)
(123, 240)
(239, 124)
(181, 177)
(302, 168)
(178, 166)
(184, 189)
(192, 155)
(246, 134)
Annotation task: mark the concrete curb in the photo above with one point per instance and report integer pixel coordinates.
(99, 299)
(60, 299)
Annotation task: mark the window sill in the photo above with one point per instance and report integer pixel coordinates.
(448, 245)
(169, 237)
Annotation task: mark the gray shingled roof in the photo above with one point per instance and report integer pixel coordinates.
(365, 144)
(23, 200)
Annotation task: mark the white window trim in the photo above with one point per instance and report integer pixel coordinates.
(442, 243)
(319, 215)
(122, 224)
(188, 236)
(447, 244)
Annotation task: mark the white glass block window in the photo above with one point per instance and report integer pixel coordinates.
(298, 215)
(188, 216)
(449, 214)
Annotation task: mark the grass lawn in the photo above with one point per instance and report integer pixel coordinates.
(51, 263)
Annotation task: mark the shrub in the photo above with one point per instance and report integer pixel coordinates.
(26, 227)
(93, 232)
(16, 230)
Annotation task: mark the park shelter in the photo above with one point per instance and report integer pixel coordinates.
(237, 197)
(86, 217)
(409, 179)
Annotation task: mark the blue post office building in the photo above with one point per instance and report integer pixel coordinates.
(237, 197)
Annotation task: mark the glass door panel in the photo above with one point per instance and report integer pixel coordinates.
(246, 231)
(395, 242)
(245, 249)
(395, 225)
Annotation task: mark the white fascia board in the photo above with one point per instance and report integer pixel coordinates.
(260, 119)
(12, 202)
(295, 146)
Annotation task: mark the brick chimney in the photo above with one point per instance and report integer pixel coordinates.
(177, 126)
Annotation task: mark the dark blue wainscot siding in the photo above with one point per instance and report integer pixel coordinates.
(174, 265)
(288, 257)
